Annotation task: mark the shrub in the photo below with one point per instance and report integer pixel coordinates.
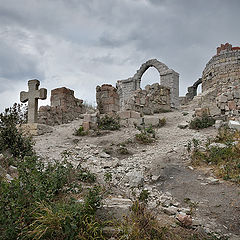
(203, 122)
(85, 175)
(11, 139)
(109, 123)
(33, 205)
(123, 151)
(162, 122)
(146, 136)
(226, 160)
(80, 132)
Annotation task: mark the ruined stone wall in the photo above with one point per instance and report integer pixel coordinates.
(64, 108)
(229, 103)
(223, 70)
(154, 99)
(169, 78)
(107, 99)
(221, 73)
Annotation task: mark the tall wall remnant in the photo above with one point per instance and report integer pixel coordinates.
(64, 108)
(169, 78)
(107, 98)
(221, 75)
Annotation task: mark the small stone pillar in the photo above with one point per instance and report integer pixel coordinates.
(107, 99)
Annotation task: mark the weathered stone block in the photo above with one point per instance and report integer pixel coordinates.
(124, 114)
(135, 115)
(86, 126)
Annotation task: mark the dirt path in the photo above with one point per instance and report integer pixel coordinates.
(217, 206)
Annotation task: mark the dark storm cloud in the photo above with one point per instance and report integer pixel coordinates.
(104, 40)
(15, 65)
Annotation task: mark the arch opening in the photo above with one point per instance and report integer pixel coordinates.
(149, 77)
(199, 89)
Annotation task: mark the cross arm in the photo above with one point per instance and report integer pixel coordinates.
(23, 96)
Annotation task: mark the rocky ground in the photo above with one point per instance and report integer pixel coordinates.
(163, 168)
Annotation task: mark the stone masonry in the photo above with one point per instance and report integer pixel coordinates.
(64, 107)
(32, 97)
(107, 99)
(220, 80)
(154, 99)
(169, 78)
(229, 103)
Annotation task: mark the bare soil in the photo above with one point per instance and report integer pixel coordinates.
(214, 203)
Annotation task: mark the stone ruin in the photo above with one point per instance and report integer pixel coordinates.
(64, 108)
(169, 78)
(129, 96)
(154, 98)
(107, 99)
(220, 84)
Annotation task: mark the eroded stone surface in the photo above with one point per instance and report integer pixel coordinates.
(107, 99)
(154, 99)
(64, 107)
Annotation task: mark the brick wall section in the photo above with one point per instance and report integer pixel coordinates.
(153, 99)
(107, 99)
(64, 108)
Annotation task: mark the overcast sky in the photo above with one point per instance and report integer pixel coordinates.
(80, 44)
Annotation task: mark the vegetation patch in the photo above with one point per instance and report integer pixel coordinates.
(109, 123)
(143, 224)
(11, 139)
(202, 122)
(225, 157)
(80, 132)
(146, 135)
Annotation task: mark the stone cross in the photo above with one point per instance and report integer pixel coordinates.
(32, 97)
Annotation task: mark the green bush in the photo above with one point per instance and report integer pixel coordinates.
(33, 205)
(146, 135)
(85, 175)
(80, 132)
(203, 122)
(225, 160)
(11, 139)
(109, 123)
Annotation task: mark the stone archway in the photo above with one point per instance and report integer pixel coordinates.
(169, 78)
(192, 91)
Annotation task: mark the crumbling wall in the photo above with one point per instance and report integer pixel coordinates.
(169, 78)
(229, 103)
(154, 99)
(107, 99)
(192, 91)
(64, 108)
(223, 70)
(221, 73)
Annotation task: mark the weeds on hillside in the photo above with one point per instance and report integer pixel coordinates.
(146, 135)
(142, 224)
(80, 132)
(39, 202)
(109, 123)
(226, 159)
(202, 122)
